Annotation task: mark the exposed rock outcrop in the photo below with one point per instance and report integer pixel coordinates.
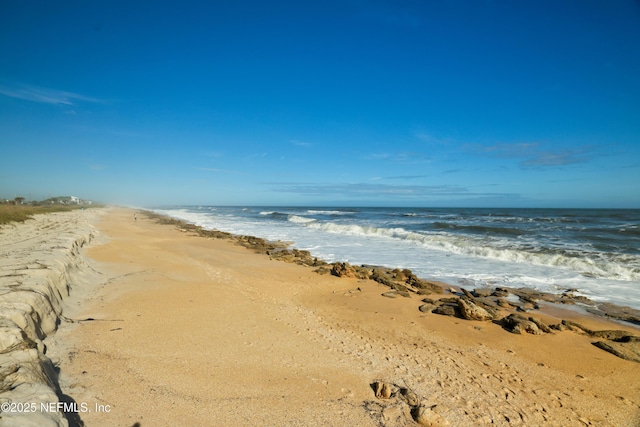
(344, 269)
(471, 311)
(518, 324)
(620, 343)
(393, 398)
(481, 304)
(428, 416)
(627, 347)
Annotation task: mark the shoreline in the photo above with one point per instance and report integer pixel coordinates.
(551, 251)
(282, 251)
(183, 329)
(511, 308)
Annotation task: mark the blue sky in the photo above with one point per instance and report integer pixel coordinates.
(353, 102)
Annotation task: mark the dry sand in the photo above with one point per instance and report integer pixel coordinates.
(202, 332)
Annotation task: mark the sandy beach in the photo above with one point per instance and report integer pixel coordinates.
(178, 329)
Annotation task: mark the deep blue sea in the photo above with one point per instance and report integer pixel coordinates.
(594, 251)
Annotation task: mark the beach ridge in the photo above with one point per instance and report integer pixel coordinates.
(40, 265)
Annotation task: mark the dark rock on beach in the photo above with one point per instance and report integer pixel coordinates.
(504, 303)
(607, 334)
(627, 314)
(446, 300)
(390, 294)
(423, 286)
(481, 304)
(402, 280)
(448, 309)
(323, 269)
(427, 308)
(295, 256)
(381, 276)
(471, 311)
(627, 348)
(541, 325)
(532, 296)
(619, 342)
(500, 293)
(467, 306)
(483, 292)
(518, 324)
(344, 269)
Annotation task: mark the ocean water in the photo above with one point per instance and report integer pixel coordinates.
(594, 251)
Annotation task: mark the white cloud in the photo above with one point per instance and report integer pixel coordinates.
(531, 155)
(45, 95)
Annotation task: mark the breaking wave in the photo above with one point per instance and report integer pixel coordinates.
(591, 264)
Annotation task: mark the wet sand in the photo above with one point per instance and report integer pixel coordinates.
(194, 331)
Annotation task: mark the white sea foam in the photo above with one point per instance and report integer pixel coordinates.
(580, 262)
(328, 212)
(300, 219)
(485, 258)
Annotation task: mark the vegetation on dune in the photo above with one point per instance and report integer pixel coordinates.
(20, 213)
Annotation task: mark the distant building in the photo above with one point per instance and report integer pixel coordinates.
(64, 200)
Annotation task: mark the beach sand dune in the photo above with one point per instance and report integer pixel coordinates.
(40, 266)
(194, 331)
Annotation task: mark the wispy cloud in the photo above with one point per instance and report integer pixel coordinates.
(371, 190)
(405, 177)
(45, 95)
(400, 157)
(508, 150)
(213, 154)
(381, 193)
(299, 143)
(217, 170)
(256, 156)
(531, 155)
(560, 158)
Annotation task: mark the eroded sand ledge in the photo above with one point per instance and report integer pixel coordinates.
(40, 266)
(203, 332)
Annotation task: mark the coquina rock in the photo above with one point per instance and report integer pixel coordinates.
(627, 348)
(470, 311)
(384, 390)
(428, 416)
(344, 269)
(518, 324)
